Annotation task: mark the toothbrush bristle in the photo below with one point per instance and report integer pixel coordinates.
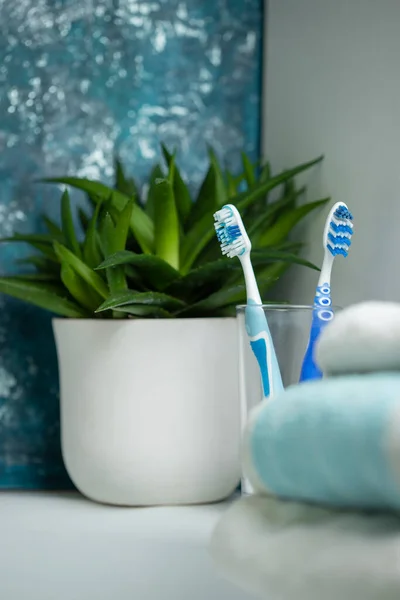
(340, 232)
(343, 213)
(230, 232)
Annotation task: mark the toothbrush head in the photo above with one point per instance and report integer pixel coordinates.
(231, 233)
(338, 230)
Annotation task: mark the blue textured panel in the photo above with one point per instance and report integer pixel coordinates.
(79, 78)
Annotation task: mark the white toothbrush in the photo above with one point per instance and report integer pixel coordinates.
(336, 241)
(234, 241)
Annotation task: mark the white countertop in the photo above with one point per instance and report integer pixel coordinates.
(60, 546)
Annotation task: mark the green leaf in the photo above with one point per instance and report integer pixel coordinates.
(37, 294)
(91, 251)
(248, 170)
(280, 230)
(122, 227)
(267, 277)
(166, 223)
(205, 201)
(68, 225)
(213, 192)
(247, 198)
(135, 280)
(290, 246)
(79, 290)
(83, 218)
(39, 238)
(230, 184)
(221, 298)
(41, 263)
(183, 200)
(220, 185)
(265, 173)
(142, 310)
(155, 175)
(40, 242)
(259, 257)
(259, 225)
(50, 277)
(85, 272)
(124, 184)
(130, 297)
(108, 232)
(203, 231)
(141, 225)
(53, 229)
(156, 271)
(203, 280)
(46, 250)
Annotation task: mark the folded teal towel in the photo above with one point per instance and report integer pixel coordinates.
(334, 441)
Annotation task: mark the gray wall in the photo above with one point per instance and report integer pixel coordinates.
(333, 87)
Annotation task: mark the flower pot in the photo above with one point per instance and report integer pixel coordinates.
(150, 409)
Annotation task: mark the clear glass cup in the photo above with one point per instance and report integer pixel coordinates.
(290, 330)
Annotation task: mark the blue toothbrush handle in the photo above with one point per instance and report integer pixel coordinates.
(321, 317)
(263, 349)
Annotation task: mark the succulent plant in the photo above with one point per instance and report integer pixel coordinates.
(159, 257)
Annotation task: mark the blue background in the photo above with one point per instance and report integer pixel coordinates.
(78, 81)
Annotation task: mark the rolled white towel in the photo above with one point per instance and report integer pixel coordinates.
(362, 338)
(288, 551)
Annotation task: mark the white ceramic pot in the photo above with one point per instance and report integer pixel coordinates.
(150, 409)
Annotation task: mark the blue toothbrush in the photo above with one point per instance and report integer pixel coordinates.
(337, 240)
(234, 241)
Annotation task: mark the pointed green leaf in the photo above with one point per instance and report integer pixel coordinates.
(155, 175)
(268, 276)
(79, 290)
(195, 241)
(46, 250)
(40, 238)
(37, 294)
(289, 246)
(247, 198)
(142, 310)
(136, 281)
(53, 229)
(203, 280)
(205, 201)
(91, 250)
(213, 192)
(203, 231)
(259, 257)
(124, 184)
(87, 274)
(43, 243)
(230, 184)
(141, 225)
(265, 173)
(49, 277)
(42, 264)
(68, 225)
(221, 298)
(129, 297)
(259, 225)
(122, 227)
(280, 230)
(248, 170)
(181, 192)
(220, 185)
(154, 270)
(108, 240)
(166, 223)
(83, 218)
